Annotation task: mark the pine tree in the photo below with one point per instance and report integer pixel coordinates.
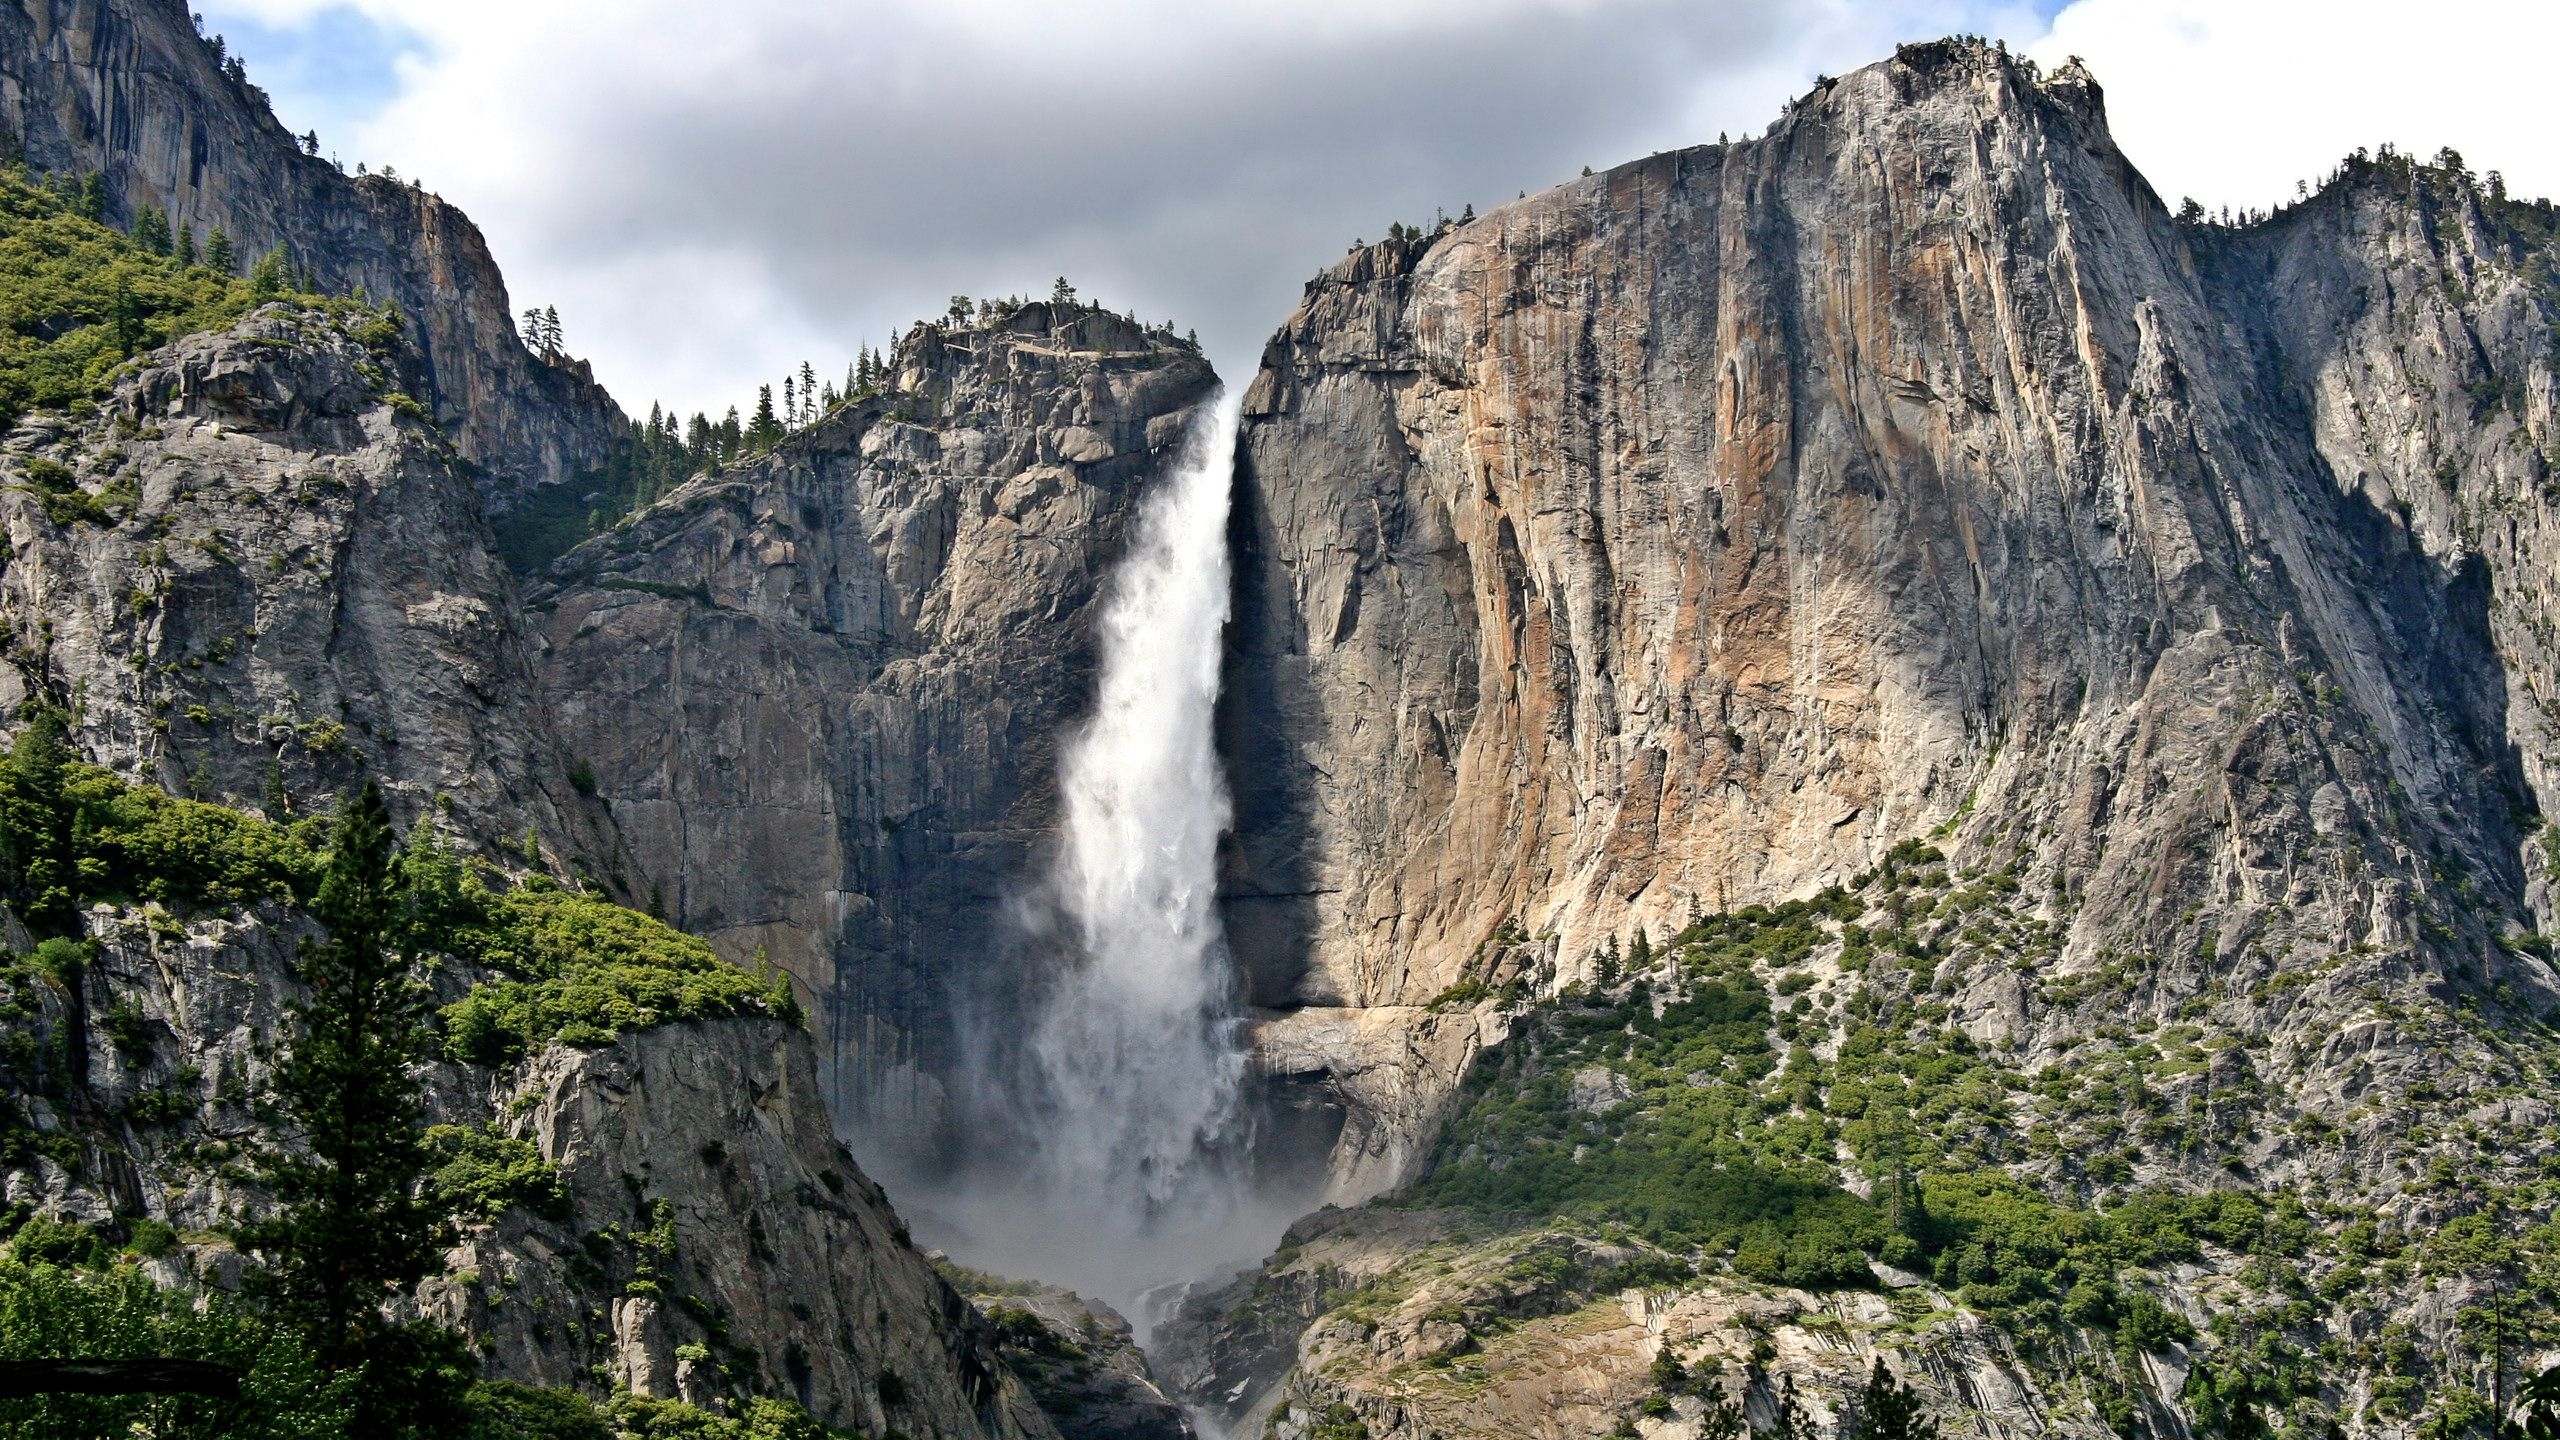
(790, 404)
(1887, 1409)
(35, 827)
(532, 321)
(808, 392)
(267, 277)
(151, 230)
(765, 429)
(356, 1222)
(93, 197)
(551, 343)
(1062, 293)
(186, 243)
(217, 252)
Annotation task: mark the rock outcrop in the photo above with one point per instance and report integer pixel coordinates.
(823, 691)
(1079, 1358)
(1466, 1333)
(261, 575)
(129, 90)
(698, 1158)
(1688, 534)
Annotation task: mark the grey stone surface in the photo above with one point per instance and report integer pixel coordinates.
(1688, 534)
(823, 692)
(128, 90)
(301, 588)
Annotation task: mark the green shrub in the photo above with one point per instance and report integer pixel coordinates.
(480, 1174)
(77, 299)
(73, 834)
(582, 971)
(505, 1410)
(50, 1313)
(637, 1417)
(151, 1239)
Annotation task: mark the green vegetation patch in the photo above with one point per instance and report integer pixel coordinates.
(1685, 1102)
(72, 835)
(1700, 1152)
(78, 299)
(581, 971)
(572, 967)
(48, 1311)
(481, 1174)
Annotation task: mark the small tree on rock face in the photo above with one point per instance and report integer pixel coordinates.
(151, 230)
(1887, 1409)
(35, 827)
(1062, 293)
(267, 277)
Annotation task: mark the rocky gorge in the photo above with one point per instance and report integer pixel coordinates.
(1859, 747)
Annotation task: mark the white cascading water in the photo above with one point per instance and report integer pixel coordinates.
(1112, 1114)
(1135, 1041)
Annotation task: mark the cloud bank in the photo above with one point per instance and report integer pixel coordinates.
(711, 194)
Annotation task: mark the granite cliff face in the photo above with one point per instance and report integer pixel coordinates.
(129, 90)
(291, 586)
(255, 575)
(698, 1157)
(822, 692)
(1686, 535)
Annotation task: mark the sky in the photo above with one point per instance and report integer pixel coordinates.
(711, 194)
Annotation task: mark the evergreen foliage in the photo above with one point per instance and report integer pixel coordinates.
(50, 1311)
(78, 299)
(1887, 1409)
(357, 1223)
(480, 1174)
(582, 971)
(73, 834)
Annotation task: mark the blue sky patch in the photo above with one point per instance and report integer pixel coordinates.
(329, 72)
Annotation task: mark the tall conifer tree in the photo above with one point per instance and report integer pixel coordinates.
(356, 1223)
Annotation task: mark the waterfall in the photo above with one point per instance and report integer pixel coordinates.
(1107, 1150)
(1135, 1042)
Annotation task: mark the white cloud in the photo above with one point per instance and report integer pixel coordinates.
(2234, 101)
(712, 193)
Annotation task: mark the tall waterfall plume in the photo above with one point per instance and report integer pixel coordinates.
(1135, 1041)
(1111, 1154)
